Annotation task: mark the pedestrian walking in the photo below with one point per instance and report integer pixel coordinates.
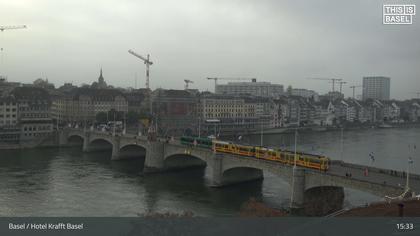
(372, 157)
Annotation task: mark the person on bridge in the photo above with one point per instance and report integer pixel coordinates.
(372, 157)
(366, 173)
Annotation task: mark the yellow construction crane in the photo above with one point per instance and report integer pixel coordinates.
(187, 81)
(229, 78)
(354, 87)
(333, 81)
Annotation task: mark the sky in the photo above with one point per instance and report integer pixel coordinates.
(284, 42)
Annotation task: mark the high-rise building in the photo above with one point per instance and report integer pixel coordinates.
(254, 88)
(376, 87)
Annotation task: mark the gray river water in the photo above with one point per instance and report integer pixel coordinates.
(68, 182)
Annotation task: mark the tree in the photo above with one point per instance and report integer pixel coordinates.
(101, 117)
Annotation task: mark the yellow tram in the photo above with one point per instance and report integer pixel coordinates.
(283, 156)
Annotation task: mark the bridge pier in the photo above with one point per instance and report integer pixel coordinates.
(223, 176)
(298, 190)
(62, 138)
(86, 143)
(154, 161)
(217, 174)
(323, 200)
(115, 149)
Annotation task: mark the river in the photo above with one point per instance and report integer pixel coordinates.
(68, 182)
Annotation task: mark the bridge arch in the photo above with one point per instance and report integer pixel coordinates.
(183, 160)
(99, 144)
(132, 151)
(241, 174)
(75, 139)
(131, 144)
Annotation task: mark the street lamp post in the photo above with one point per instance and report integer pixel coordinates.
(341, 144)
(407, 186)
(113, 128)
(294, 165)
(199, 127)
(294, 170)
(410, 161)
(125, 123)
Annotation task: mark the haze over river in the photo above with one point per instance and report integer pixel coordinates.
(68, 182)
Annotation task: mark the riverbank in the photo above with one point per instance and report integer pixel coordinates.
(407, 208)
(50, 141)
(400, 208)
(313, 129)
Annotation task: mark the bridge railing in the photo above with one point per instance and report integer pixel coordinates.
(376, 169)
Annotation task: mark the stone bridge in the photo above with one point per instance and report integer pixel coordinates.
(308, 186)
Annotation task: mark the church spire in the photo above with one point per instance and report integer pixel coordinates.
(101, 81)
(101, 78)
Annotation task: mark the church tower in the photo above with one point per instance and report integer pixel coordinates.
(101, 81)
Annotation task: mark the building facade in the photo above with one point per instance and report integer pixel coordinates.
(8, 111)
(34, 113)
(306, 93)
(257, 89)
(174, 112)
(376, 87)
(83, 104)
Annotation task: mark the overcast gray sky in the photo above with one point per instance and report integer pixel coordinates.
(277, 41)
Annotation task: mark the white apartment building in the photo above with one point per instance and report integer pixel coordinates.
(306, 93)
(258, 89)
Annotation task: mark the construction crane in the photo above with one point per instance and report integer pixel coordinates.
(333, 81)
(3, 28)
(187, 81)
(229, 78)
(147, 62)
(341, 85)
(418, 94)
(354, 87)
(10, 27)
